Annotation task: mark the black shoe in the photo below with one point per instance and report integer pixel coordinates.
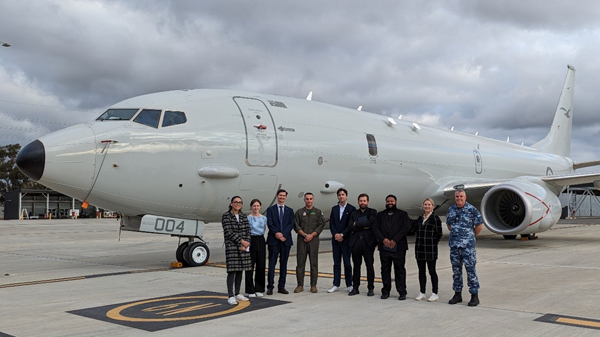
(282, 291)
(354, 292)
(456, 299)
(270, 291)
(370, 292)
(385, 295)
(474, 300)
(402, 297)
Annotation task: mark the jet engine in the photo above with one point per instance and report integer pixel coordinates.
(520, 207)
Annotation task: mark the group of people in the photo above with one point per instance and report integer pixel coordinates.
(355, 234)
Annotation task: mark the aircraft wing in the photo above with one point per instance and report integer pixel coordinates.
(479, 188)
(472, 187)
(572, 179)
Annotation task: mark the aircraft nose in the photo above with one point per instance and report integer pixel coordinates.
(31, 160)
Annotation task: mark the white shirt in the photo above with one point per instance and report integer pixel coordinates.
(342, 208)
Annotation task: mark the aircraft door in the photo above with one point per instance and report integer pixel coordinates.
(478, 163)
(261, 137)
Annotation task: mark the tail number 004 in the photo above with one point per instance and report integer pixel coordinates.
(167, 225)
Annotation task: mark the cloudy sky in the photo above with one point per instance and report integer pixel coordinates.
(493, 67)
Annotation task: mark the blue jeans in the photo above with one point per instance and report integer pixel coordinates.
(341, 250)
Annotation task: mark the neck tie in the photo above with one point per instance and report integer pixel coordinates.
(281, 218)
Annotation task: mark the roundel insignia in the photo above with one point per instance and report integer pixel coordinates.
(171, 311)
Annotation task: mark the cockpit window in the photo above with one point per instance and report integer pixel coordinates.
(117, 115)
(148, 117)
(173, 118)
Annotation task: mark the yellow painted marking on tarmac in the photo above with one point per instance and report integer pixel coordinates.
(77, 278)
(293, 272)
(580, 322)
(20, 284)
(116, 312)
(148, 270)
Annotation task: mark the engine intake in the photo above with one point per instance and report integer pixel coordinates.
(520, 207)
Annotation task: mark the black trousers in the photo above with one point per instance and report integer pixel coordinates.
(234, 277)
(255, 277)
(397, 259)
(423, 276)
(361, 251)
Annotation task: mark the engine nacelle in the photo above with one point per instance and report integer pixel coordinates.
(520, 207)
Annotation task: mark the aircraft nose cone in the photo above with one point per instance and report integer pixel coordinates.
(32, 159)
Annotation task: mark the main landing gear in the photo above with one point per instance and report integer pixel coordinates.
(192, 253)
(531, 236)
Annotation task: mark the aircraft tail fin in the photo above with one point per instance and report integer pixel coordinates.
(558, 140)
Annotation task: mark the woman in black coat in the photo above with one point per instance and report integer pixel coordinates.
(428, 230)
(236, 231)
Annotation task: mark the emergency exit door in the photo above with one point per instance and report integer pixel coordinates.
(261, 137)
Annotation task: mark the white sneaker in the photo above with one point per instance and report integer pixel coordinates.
(350, 288)
(434, 297)
(259, 294)
(241, 297)
(333, 289)
(420, 297)
(232, 301)
(251, 295)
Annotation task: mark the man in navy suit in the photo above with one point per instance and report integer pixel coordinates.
(280, 220)
(338, 224)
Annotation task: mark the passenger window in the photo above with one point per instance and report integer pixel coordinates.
(148, 117)
(372, 144)
(173, 118)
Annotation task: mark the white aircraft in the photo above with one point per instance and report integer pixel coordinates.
(171, 161)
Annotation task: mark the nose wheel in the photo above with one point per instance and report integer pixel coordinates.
(192, 254)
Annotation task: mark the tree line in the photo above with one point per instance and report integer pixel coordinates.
(11, 178)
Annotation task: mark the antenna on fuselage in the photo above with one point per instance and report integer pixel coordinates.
(309, 97)
(359, 108)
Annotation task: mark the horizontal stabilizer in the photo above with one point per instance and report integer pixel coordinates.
(585, 164)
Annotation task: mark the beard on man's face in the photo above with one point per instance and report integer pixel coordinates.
(390, 207)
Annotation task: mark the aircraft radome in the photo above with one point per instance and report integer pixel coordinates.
(171, 161)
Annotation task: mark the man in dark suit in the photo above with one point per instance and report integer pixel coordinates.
(338, 224)
(390, 228)
(362, 243)
(280, 220)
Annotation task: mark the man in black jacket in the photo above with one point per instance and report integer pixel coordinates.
(362, 243)
(390, 228)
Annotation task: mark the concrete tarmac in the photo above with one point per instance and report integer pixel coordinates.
(50, 269)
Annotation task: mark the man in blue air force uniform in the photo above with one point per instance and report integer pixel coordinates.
(465, 223)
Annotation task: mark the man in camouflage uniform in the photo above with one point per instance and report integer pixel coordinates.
(309, 223)
(464, 223)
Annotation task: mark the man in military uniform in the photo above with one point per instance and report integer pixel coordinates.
(464, 223)
(309, 223)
